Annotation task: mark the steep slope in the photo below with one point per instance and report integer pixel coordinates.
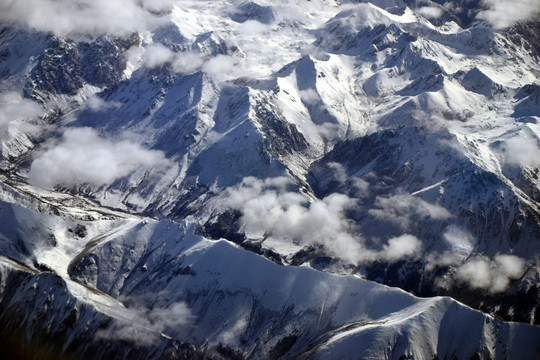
(393, 141)
(153, 289)
(259, 309)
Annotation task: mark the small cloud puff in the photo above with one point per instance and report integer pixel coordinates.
(522, 150)
(220, 65)
(397, 248)
(97, 104)
(493, 275)
(188, 62)
(82, 156)
(156, 55)
(252, 28)
(430, 12)
(15, 111)
(309, 96)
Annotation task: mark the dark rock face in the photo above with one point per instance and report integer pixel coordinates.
(65, 66)
(59, 69)
(170, 36)
(225, 226)
(476, 81)
(253, 11)
(528, 99)
(282, 138)
(27, 331)
(527, 35)
(86, 271)
(104, 61)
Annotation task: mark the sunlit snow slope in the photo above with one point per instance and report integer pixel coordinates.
(245, 179)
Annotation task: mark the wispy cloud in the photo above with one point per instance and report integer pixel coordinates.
(97, 104)
(220, 65)
(157, 6)
(253, 27)
(309, 96)
(14, 113)
(82, 156)
(186, 62)
(399, 247)
(504, 13)
(401, 208)
(460, 244)
(144, 325)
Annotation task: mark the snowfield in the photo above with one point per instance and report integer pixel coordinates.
(270, 179)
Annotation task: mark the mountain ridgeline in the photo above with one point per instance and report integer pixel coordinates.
(250, 180)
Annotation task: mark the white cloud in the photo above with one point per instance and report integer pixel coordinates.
(309, 96)
(144, 325)
(97, 104)
(82, 156)
(188, 62)
(504, 13)
(268, 209)
(444, 259)
(62, 17)
(177, 314)
(493, 275)
(271, 210)
(399, 247)
(253, 27)
(430, 12)
(355, 186)
(360, 186)
(220, 65)
(522, 150)
(157, 55)
(400, 208)
(460, 245)
(459, 239)
(157, 5)
(15, 111)
(476, 273)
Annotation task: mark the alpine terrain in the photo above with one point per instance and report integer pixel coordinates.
(286, 179)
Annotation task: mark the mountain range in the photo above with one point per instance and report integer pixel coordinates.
(293, 179)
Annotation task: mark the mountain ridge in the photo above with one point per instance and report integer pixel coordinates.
(382, 140)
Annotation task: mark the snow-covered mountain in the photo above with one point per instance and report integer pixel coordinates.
(245, 179)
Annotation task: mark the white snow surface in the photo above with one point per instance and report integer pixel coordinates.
(427, 132)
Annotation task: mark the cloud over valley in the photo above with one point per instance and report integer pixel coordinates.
(271, 209)
(82, 156)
